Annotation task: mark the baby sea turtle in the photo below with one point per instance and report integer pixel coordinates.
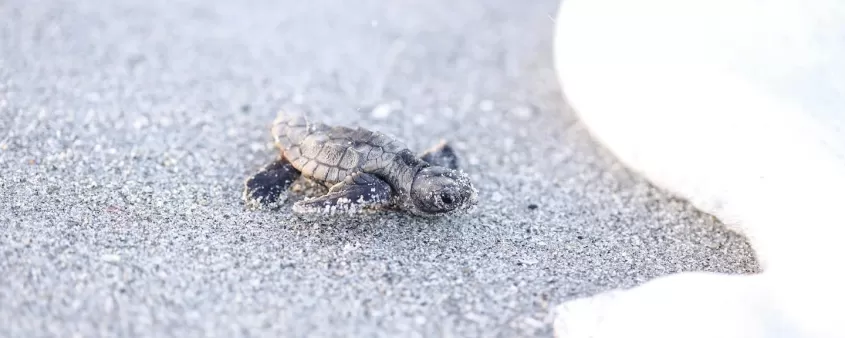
(363, 169)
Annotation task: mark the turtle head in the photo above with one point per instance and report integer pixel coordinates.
(438, 190)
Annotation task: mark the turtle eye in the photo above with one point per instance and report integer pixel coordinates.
(446, 198)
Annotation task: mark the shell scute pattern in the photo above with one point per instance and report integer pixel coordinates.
(331, 154)
(351, 159)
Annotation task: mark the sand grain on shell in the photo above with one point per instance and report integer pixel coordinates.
(123, 137)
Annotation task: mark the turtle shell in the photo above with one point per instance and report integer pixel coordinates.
(329, 154)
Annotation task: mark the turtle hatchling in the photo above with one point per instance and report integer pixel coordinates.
(362, 169)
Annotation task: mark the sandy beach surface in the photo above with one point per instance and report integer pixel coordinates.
(128, 127)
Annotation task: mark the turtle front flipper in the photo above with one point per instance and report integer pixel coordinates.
(441, 155)
(266, 186)
(355, 193)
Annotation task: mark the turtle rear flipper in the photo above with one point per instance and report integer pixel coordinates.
(441, 155)
(354, 194)
(267, 186)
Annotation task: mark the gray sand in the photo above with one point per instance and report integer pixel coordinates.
(127, 128)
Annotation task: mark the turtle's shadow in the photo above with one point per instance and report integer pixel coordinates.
(382, 234)
(379, 223)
